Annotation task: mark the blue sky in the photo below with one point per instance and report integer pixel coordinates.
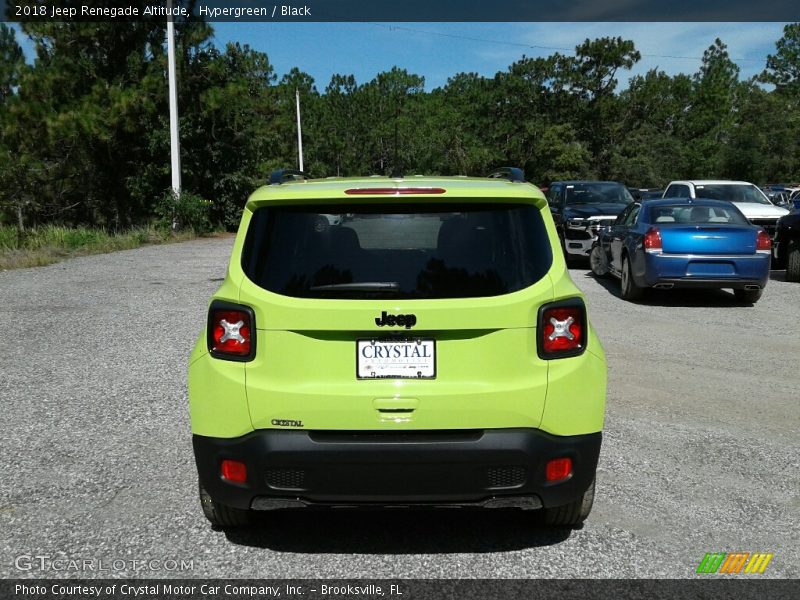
(439, 50)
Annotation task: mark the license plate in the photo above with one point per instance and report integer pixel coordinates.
(396, 359)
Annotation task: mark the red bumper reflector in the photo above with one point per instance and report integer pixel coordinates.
(558, 469)
(234, 471)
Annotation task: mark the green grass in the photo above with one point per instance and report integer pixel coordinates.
(49, 244)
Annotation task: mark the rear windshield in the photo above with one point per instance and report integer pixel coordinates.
(733, 192)
(408, 251)
(696, 214)
(598, 193)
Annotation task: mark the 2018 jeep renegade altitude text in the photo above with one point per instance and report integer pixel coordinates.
(425, 347)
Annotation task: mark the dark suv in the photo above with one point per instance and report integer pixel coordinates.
(580, 208)
(787, 245)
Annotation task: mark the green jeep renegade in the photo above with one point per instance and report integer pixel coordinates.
(407, 341)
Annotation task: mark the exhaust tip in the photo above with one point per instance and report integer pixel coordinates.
(663, 286)
(752, 287)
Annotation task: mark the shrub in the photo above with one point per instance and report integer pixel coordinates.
(187, 211)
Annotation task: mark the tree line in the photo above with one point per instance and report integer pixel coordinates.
(85, 131)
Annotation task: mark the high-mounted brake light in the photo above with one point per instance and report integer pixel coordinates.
(230, 331)
(562, 329)
(391, 191)
(763, 242)
(652, 241)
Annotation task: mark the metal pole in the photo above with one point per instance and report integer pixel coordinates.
(299, 130)
(175, 144)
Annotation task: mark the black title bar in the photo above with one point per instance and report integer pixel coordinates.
(403, 10)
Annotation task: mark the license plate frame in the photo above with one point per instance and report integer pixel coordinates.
(429, 372)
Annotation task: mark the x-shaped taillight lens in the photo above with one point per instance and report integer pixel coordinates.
(230, 332)
(563, 331)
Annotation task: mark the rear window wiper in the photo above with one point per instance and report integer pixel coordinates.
(364, 286)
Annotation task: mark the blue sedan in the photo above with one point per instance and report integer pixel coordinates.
(675, 242)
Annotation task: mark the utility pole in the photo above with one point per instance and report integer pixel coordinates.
(175, 144)
(299, 130)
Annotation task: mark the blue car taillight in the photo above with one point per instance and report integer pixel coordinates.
(763, 242)
(652, 241)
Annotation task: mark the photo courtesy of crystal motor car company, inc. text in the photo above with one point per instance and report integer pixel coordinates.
(345, 299)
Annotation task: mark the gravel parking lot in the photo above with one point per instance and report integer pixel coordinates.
(701, 451)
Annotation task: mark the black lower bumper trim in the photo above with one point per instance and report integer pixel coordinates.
(687, 282)
(265, 503)
(416, 468)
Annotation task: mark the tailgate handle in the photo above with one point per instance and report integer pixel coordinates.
(395, 405)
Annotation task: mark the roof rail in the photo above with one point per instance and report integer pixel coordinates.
(281, 175)
(510, 173)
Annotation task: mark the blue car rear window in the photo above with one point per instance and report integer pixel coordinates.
(403, 251)
(696, 214)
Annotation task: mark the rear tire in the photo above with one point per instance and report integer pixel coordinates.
(572, 514)
(630, 291)
(598, 262)
(793, 262)
(220, 515)
(748, 296)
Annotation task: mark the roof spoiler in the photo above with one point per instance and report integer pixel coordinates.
(514, 174)
(282, 175)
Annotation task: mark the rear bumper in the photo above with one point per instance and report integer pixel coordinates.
(496, 467)
(706, 271)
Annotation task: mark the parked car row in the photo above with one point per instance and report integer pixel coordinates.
(441, 281)
(782, 194)
(696, 233)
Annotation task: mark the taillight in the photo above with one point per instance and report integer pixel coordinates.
(231, 330)
(763, 242)
(234, 471)
(562, 329)
(652, 241)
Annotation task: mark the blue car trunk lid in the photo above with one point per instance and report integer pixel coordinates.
(716, 239)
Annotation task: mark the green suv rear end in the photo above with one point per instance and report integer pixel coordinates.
(406, 341)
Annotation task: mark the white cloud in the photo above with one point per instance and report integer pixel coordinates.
(671, 47)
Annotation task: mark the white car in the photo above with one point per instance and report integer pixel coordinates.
(747, 197)
(323, 221)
